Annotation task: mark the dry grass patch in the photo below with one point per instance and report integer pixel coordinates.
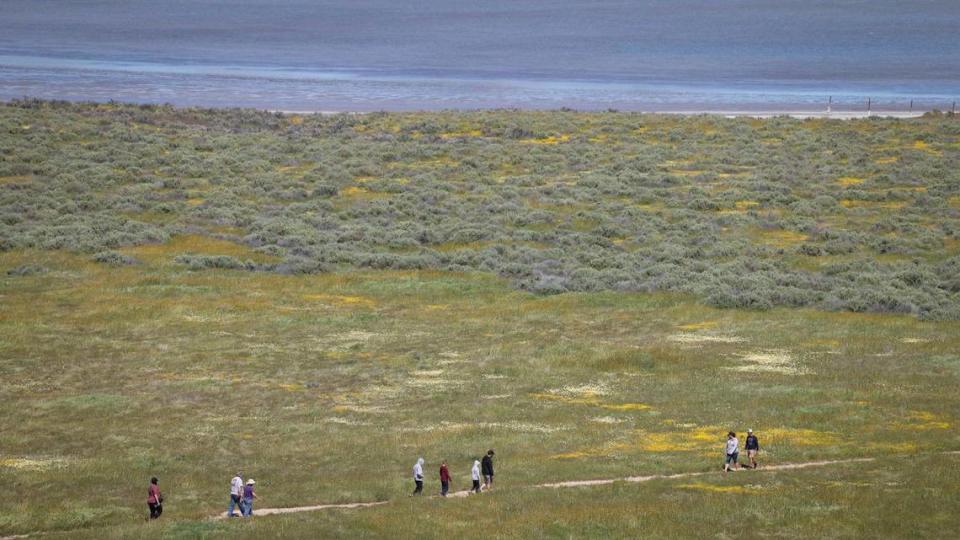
(773, 361)
(33, 464)
(696, 339)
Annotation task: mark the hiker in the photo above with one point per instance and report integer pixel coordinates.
(154, 499)
(248, 496)
(418, 477)
(444, 478)
(487, 466)
(753, 446)
(475, 475)
(236, 490)
(733, 451)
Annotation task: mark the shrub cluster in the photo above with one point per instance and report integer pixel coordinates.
(745, 213)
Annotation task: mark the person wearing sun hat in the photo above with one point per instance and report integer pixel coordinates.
(752, 446)
(248, 496)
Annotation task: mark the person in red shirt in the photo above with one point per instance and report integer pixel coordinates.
(444, 479)
(154, 499)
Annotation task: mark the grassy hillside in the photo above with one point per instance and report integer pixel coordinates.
(322, 300)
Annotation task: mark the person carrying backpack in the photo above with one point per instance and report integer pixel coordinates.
(753, 446)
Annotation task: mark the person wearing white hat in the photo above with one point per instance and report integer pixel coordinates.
(753, 446)
(248, 496)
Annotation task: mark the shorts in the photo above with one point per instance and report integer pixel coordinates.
(752, 453)
(732, 458)
(488, 478)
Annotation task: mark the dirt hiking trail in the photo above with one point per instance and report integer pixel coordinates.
(582, 483)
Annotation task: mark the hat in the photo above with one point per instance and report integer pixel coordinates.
(749, 431)
(250, 482)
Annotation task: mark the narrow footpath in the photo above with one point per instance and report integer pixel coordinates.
(579, 483)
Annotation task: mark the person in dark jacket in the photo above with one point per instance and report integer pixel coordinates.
(487, 467)
(154, 499)
(444, 478)
(753, 446)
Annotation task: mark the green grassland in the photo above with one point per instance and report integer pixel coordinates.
(320, 300)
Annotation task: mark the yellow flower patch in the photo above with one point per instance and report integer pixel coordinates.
(342, 300)
(591, 399)
(849, 180)
(782, 238)
(924, 420)
(714, 488)
(354, 190)
(17, 179)
(552, 139)
(461, 134)
(905, 447)
(196, 244)
(699, 325)
(850, 203)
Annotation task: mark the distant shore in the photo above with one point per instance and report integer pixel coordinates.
(840, 115)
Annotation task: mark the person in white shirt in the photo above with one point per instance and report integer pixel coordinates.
(733, 451)
(475, 476)
(418, 477)
(236, 490)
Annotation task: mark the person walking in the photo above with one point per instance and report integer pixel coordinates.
(444, 478)
(236, 491)
(732, 450)
(418, 477)
(154, 499)
(487, 467)
(475, 476)
(753, 446)
(248, 496)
